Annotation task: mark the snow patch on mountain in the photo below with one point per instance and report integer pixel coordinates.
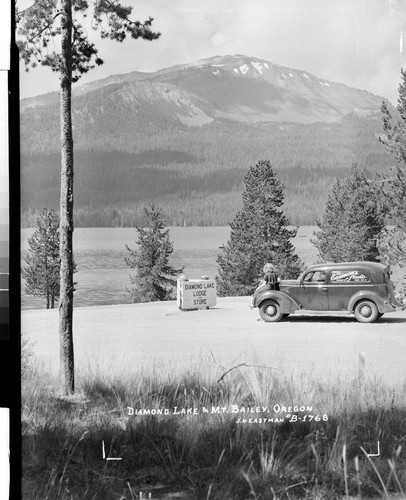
(257, 66)
(244, 69)
(304, 74)
(325, 84)
(236, 71)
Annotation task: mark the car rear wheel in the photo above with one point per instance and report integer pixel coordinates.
(270, 310)
(366, 311)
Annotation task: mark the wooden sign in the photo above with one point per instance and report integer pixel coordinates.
(196, 294)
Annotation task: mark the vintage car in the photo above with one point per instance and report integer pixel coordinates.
(360, 288)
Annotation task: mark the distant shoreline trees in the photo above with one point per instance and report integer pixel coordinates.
(352, 221)
(154, 276)
(259, 234)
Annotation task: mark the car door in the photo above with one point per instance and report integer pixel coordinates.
(313, 291)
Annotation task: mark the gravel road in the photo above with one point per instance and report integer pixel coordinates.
(159, 336)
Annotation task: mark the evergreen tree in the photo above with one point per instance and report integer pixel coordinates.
(41, 274)
(153, 280)
(259, 234)
(352, 220)
(392, 242)
(41, 28)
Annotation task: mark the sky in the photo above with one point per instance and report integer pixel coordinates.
(361, 43)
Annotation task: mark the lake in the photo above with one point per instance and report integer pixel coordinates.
(102, 275)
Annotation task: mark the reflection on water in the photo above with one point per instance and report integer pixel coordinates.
(102, 275)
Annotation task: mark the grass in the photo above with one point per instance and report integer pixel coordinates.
(211, 456)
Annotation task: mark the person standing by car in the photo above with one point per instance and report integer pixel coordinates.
(270, 281)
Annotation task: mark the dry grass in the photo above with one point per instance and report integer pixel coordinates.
(211, 456)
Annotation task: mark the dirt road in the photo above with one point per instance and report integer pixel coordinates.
(158, 335)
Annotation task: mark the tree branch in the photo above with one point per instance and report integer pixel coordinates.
(30, 40)
(243, 364)
(370, 181)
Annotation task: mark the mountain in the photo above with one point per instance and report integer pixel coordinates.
(53, 97)
(232, 87)
(250, 89)
(188, 134)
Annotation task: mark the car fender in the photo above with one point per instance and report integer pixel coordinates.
(286, 302)
(382, 304)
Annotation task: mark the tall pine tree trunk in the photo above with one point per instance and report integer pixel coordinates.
(66, 206)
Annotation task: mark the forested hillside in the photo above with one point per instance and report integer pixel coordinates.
(196, 174)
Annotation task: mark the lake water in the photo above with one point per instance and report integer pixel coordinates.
(102, 275)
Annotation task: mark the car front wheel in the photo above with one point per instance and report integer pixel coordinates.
(270, 310)
(366, 311)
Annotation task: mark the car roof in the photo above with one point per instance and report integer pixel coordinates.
(326, 266)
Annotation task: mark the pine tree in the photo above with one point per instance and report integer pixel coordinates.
(40, 29)
(153, 280)
(41, 274)
(352, 221)
(259, 234)
(392, 242)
